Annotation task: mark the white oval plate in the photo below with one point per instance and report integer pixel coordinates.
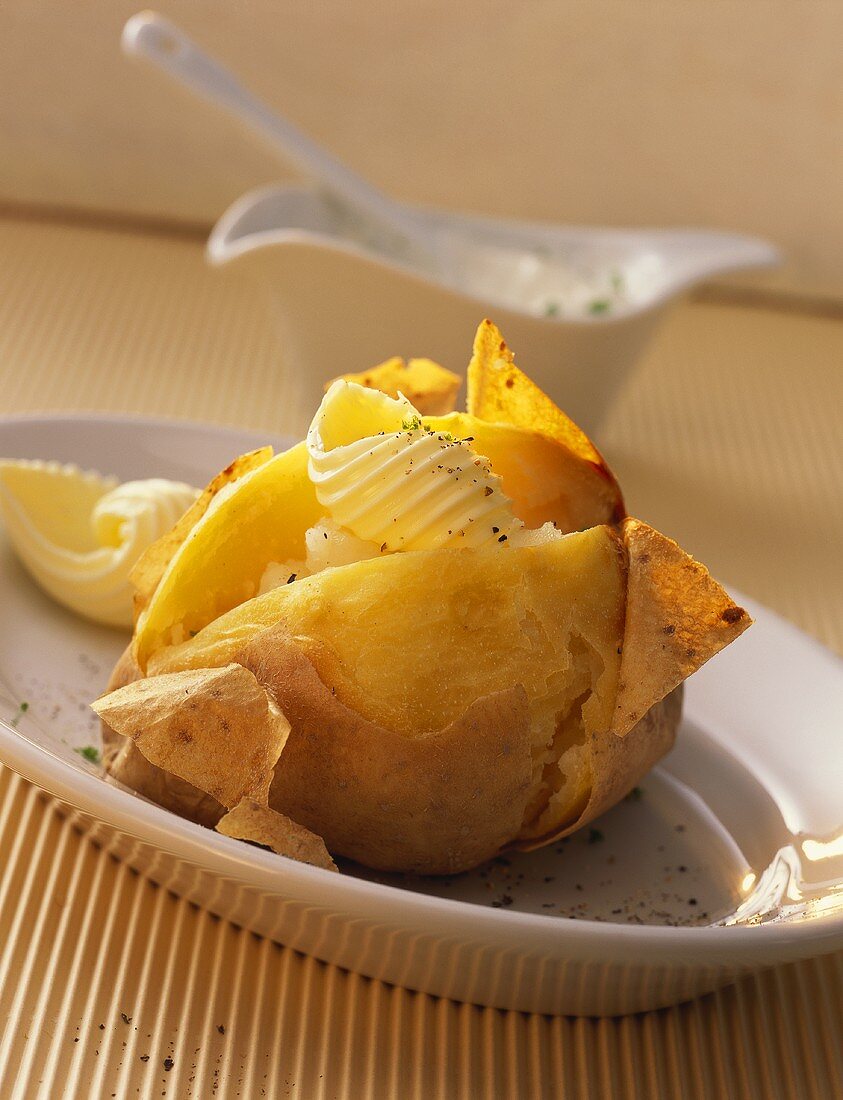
(730, 857)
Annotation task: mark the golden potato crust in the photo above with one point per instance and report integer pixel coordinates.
(431, 388)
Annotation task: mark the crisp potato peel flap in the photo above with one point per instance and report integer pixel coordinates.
(248, 819)
(126, 765)
(677, 617)
(217, 729)
(258, 824)
(430, 388)
(500, 393)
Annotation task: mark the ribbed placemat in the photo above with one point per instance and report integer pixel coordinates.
(728, 437)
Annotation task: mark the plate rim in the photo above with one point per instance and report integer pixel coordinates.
(103, 416)
(250, 866)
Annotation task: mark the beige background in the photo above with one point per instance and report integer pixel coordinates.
(726, 113)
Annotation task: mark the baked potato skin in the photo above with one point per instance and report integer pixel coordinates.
(617, 765)
(435, 804)
(399, 798)
(438, 804)
(428, 386)
(126, 764)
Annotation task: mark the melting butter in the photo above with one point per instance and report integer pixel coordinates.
(383, 476)
(79, 534)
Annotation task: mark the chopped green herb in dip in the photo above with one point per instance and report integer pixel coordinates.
(91, 754)
(600, 305)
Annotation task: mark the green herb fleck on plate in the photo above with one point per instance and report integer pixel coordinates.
(90, 753)
(21, 711)
(595, 836)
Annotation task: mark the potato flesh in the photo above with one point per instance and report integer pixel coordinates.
(263, 518)
(410, 640)
(544, 480)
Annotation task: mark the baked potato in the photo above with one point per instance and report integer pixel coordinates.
(447, 692)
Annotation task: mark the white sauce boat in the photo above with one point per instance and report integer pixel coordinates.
(354, 277)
